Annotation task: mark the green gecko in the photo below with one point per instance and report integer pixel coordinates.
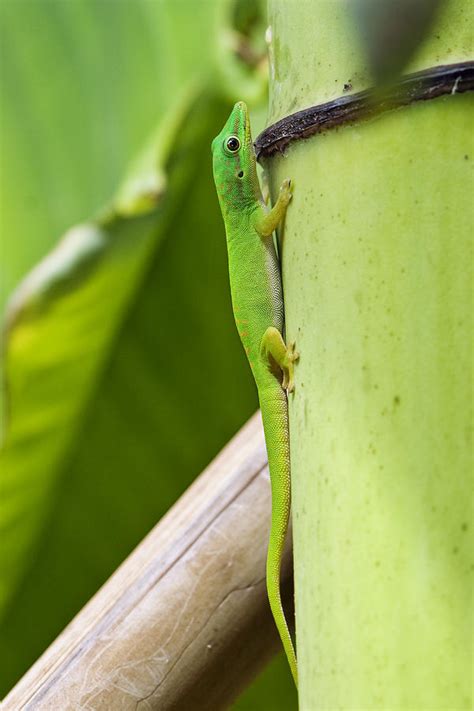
(257, 301)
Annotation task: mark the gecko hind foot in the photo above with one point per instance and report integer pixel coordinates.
(291, 356)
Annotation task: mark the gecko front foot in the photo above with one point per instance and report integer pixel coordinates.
(286, 191)
(267, 222)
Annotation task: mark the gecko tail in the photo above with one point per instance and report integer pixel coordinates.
(275, 551)
(275, 423)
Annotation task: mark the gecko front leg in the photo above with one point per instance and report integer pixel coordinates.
(266, 222)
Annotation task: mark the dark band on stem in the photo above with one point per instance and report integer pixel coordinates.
(421, 86)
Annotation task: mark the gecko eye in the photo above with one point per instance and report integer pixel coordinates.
(232, 144)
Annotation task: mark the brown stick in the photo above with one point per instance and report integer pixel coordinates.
(184, 622)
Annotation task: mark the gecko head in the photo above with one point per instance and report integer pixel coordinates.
(233, 156)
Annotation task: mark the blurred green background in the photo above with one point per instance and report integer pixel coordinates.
(124, 375)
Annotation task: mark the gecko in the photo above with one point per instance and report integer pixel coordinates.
(257, 302)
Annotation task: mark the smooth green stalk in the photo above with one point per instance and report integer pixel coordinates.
(377, 274)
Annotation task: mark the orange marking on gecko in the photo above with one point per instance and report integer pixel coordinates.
(244, 334)
(241, 320)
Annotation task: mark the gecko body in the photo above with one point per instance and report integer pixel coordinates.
(257, 301)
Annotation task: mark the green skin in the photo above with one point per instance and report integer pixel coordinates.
(257, 300)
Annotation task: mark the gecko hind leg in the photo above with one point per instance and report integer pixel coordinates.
(273, 349)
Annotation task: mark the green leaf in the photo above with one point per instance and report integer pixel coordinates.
(80, 88)
(124, 379)
(82, 83)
